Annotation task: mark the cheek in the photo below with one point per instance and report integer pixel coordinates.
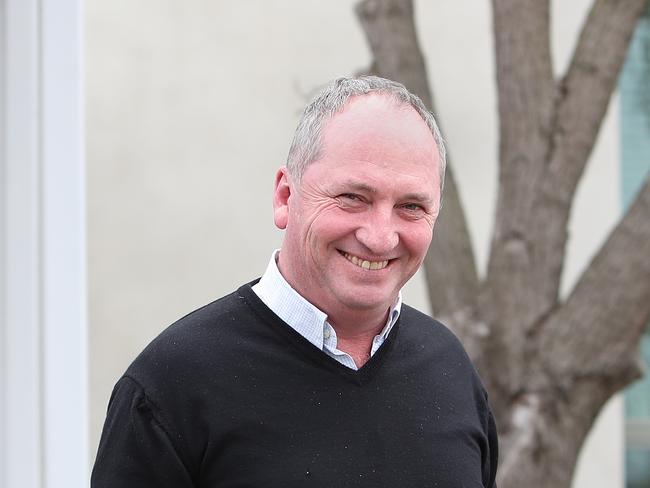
(331, 224)
(417, 240)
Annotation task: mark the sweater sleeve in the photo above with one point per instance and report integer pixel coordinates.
(136, 449)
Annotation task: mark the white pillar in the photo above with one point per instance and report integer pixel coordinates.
(43, 371)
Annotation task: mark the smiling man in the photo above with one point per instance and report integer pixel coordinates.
(317, 374)
(359, 219)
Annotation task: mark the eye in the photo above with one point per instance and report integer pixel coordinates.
(413, 210)
(413, 207)
(351, 201)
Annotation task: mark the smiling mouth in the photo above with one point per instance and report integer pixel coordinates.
(363, 263)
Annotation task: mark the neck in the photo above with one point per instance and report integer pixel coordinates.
(357, 325)
(355, 334)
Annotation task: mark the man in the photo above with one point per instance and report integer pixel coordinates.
(317, 375)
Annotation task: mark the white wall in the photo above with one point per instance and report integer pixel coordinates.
(191, 108)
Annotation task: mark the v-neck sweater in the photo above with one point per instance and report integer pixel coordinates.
(231, 397)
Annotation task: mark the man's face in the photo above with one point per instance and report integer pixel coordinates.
(360, 221)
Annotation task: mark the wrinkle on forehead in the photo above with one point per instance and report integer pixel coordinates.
(387, 164)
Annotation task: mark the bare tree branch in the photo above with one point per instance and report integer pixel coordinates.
(548, 130)
(582, 97)
(390, 31)
(590, 351)
(450, 268)
(525, 93)
(512, 300)
(598, 329)
(584, 93)
(581, 102)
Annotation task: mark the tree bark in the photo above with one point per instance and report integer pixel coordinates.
(552, 364)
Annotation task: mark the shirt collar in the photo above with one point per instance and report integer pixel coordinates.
(301, 315)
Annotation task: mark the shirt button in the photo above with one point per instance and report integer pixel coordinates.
(327, 333)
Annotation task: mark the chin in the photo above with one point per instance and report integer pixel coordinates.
(368, 303)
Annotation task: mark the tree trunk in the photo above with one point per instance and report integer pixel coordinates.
(552, 364)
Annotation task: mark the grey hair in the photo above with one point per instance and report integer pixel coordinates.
(306, 147)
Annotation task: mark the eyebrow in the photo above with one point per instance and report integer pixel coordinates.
(418, 197)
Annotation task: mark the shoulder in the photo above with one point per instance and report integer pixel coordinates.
(419, 326)
(436, 346)
(450, 374)
(199, 341)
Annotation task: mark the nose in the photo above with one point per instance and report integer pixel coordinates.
(378, 232)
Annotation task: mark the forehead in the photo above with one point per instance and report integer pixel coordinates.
(381, 131)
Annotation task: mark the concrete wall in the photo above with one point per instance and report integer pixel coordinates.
(191, 108)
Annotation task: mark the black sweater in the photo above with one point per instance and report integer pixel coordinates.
(232, 397)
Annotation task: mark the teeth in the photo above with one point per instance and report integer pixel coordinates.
(365, 264)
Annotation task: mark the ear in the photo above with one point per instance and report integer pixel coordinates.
(281, 197)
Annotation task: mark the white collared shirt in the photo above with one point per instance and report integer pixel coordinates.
(308, 320)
